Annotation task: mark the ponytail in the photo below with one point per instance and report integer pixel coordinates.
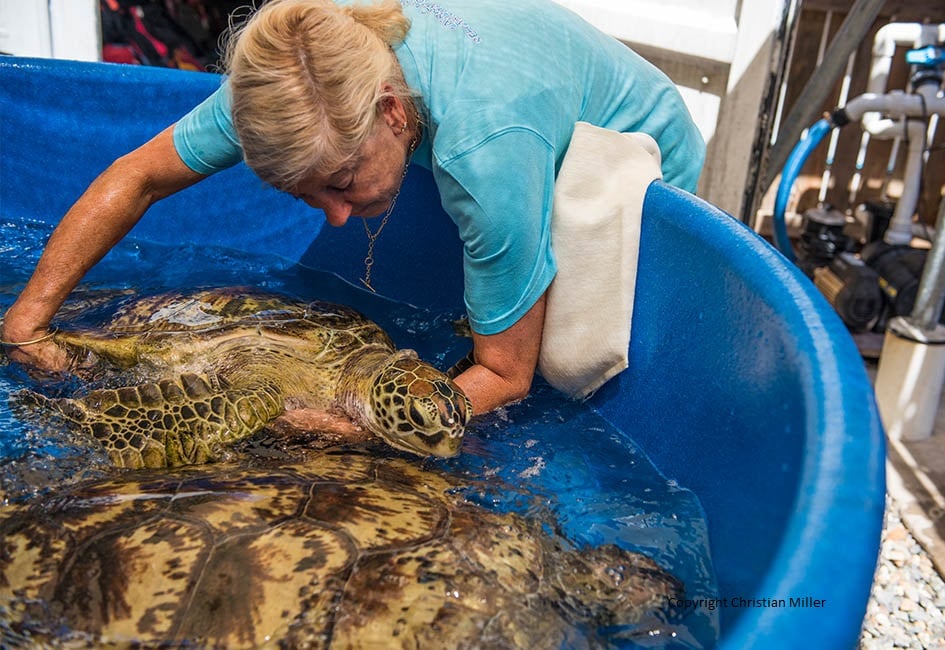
(385, 18)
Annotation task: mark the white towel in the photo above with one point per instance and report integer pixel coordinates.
(595, 237)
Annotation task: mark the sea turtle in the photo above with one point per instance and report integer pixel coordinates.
(344, 549)
(198, 370)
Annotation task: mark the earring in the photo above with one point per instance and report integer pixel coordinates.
(403, 128)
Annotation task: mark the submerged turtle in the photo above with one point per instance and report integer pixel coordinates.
(216, 366)
(344, 550)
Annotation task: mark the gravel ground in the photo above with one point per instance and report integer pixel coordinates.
(907, 605)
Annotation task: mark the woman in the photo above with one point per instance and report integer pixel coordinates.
(331, 102)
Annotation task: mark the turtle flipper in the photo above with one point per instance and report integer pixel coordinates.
(608, 585)
(171, 422)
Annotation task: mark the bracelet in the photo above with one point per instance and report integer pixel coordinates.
(44, 337)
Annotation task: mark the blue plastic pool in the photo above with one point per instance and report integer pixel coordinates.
(743, 385)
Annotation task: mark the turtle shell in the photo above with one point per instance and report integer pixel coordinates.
(213, 311)
(344, 550)
(172, 379)
(219, 307)
(170, 329)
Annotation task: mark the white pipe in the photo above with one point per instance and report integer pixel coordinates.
(900, 226)
(897, 105)
(884, 48)
(897, 114)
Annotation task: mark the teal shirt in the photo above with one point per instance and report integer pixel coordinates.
(503, 84)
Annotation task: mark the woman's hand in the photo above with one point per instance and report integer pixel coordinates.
(34, 348)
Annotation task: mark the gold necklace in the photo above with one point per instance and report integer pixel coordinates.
(372, 236)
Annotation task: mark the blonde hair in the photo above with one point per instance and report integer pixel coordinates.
(307, 80)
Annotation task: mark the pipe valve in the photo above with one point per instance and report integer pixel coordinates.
(930, 56)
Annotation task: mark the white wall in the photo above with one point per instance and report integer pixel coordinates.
(703, 33)
(720, 53)
(700, 28)
(62, 29)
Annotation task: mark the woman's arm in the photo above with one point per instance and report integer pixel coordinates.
(505, 362)
(108, 209)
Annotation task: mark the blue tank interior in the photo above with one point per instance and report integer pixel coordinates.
(764, 406)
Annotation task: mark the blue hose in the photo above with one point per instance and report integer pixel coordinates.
(792, 168)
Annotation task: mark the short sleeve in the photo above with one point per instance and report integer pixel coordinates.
(205, 138)
(499, 194)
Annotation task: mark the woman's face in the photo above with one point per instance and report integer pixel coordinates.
(365, 187)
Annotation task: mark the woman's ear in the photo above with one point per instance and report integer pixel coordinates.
(393, 111)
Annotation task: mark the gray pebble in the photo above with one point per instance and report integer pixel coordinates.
(906, 604)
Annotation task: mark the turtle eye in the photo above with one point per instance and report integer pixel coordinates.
(417, 416)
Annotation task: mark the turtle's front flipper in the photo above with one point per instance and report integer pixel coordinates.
(607, 585)
(170, 422)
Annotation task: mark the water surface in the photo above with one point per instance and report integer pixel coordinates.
(565, 461)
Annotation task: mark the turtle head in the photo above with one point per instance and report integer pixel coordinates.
(417, 408)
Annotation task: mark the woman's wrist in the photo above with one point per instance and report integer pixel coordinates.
(18, 329)
(31, 344)
(18, 342)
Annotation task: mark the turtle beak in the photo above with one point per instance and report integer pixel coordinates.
(441, 444)
(453, 416)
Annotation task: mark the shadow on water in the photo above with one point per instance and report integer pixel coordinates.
(566, 462)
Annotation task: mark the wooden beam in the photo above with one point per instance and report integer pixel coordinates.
(899, 10)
